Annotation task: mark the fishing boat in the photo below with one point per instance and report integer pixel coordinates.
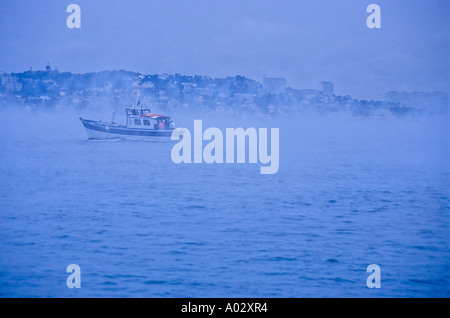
(141, 124)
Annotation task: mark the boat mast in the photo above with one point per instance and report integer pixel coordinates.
(138, 95)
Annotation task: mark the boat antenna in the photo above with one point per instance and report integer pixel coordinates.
(113, 115)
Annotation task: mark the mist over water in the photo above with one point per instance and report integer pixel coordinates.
(350, 192)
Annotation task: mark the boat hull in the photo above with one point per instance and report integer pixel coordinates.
(102, 131)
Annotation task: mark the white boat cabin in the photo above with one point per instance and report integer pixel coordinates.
(144, 119)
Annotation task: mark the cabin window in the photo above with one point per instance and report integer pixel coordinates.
(137, 121)
(146, 122)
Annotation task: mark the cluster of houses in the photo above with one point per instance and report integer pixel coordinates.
(51, 88)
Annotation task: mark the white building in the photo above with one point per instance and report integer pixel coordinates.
(11, 83)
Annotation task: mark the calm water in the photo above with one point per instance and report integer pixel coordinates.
(349, 193)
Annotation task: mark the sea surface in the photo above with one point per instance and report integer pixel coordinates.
(350, 192)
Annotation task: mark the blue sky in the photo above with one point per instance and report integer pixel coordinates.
(305, 41)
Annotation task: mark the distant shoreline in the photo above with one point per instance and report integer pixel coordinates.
(49, 88)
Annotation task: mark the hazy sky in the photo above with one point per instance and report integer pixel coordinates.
(305, 41)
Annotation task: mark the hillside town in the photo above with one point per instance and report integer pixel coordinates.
(49, 88)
